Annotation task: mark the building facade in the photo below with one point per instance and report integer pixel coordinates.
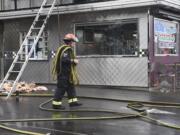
(122, 42)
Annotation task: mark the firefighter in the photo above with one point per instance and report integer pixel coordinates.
(64, 68)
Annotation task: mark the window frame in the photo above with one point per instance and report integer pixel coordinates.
(177, 37)
(44, 40)
(131, 20)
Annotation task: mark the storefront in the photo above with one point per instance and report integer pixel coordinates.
(121, 43)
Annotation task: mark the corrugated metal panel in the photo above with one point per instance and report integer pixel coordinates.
(37, 72)
(8, 4)
(23, 4)
(1, 52)
(114, 71)
(10, 36)
(36, 3)
(1, 5)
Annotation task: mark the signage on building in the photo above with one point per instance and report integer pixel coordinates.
(165, 35)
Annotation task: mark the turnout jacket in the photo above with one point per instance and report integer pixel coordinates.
(64, 66)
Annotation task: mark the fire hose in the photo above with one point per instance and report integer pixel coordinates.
(137, 106)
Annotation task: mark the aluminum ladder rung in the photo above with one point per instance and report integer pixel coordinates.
(36, 28)
(22, 53)
(19, 62)
(31, 37)
(27, 44)
(9, 81)
(14, 71)
(40, 20)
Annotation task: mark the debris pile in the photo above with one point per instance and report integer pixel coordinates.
(24, 87)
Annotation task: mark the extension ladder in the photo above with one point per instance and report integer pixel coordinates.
(19, 64)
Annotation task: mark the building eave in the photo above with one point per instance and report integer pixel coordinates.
(174, 4)
(100, 6)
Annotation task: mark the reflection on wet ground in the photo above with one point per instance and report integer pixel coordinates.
(28, 107)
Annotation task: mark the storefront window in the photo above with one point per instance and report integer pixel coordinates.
(40, 52)
(108, 39)
(165, 37)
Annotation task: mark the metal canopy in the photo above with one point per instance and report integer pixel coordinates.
(100, 6)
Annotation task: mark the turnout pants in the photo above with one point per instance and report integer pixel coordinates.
(63, 85)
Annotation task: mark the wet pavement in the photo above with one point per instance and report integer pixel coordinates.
(28, 108)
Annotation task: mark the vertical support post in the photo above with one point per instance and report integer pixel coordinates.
(15, 4)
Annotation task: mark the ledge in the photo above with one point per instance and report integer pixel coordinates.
(100, 6)
(90, 7)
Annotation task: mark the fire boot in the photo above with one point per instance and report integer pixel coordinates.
(57, 105)
(74, 102)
